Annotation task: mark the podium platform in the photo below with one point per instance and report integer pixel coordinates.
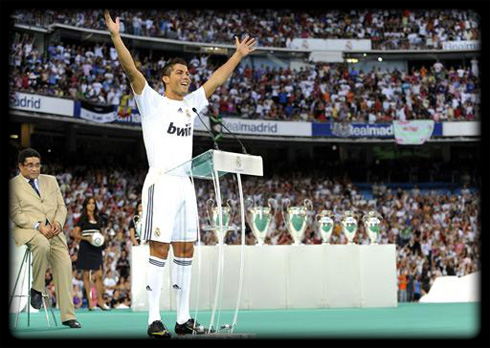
(284, 277)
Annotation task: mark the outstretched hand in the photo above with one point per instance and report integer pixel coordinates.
(246, 46)
(111, 25)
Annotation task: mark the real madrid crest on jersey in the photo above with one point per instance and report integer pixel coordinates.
(157, 232)
(187, 113)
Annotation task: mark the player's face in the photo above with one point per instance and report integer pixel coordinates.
(179, 80)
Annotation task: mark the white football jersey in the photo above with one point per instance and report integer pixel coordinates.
(168, 126)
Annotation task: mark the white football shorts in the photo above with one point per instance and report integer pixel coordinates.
(169, 208)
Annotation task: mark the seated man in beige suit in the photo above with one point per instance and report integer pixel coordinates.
(38, 212)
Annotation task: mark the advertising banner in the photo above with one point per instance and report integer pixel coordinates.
(403, 132)
(331, 44)
(353, 130)
(259, 127)
(462, 129)
(40, 103)
(473, 45)
(361, 130)
(413, 132)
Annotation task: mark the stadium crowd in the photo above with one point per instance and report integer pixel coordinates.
(436, 233)
(318, 92)
(388, 29)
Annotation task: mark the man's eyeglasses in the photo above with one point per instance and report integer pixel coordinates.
(32, 166)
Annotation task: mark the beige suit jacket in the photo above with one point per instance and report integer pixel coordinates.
(26, 208)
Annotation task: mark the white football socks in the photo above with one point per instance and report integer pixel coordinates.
(181, 281)
(154, 287)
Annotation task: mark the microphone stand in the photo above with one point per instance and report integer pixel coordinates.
(207, 128)
(236, 138)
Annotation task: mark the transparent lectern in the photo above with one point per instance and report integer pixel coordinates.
(211, 165)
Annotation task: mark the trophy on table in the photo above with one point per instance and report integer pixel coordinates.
(213, 216)
(259, 218)
(349, 225)
(372, 222)
(296, 218)
(325, 224)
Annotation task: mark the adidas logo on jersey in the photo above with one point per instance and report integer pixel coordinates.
(181, 132)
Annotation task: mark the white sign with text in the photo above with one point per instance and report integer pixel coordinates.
(39, 103)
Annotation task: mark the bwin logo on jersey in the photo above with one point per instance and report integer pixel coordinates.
(181, 132)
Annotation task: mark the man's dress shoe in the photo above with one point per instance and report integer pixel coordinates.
(36, 299)
(72, 324)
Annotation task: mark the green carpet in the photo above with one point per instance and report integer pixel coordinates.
(414, 320)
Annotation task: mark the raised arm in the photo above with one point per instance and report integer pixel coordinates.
(136, 78)
(221, 75)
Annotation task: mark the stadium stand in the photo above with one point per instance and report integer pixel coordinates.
(435, 223)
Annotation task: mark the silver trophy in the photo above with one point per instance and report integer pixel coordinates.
(296, 218)
(213, 217)
(260, 218)
(372, 222)
(349, 225)
(325, 224)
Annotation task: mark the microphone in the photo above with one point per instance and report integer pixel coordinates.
(209, 130)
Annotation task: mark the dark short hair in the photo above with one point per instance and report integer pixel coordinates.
(26, 153)
(167, 69)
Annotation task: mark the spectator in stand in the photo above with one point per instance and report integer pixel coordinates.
(135, 238)
(123, 266)
(387, 29)
(110, 283)
(417, 288)
(77, 297)
(456, 96)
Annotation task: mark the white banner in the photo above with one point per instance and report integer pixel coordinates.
(327, 56)
(39, 103)
(331, 45)
(98, 117)
(473, 45)
(456, 128)
(412, 132)
(256, 127)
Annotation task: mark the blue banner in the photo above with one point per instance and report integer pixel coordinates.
(359, 130)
